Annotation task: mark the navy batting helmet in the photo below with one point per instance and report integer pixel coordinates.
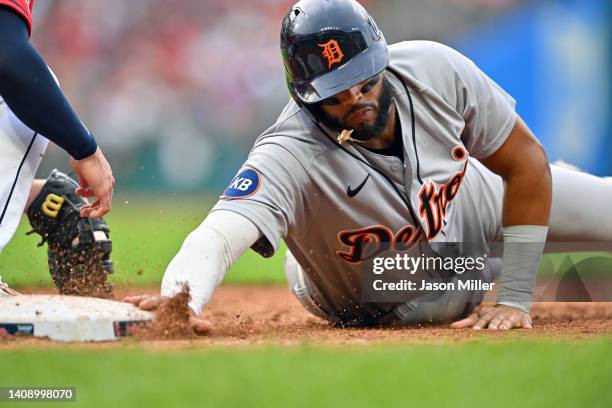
(329, 46)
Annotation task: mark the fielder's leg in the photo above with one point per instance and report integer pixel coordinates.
(21, 150)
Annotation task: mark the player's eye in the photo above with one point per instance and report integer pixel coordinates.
(365, 89)
(330, 101)
(368, 87)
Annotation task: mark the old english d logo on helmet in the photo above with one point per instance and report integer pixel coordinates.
(332, 52)
(329, 46)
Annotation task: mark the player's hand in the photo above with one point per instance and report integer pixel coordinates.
(96, 180)
(147, 302)
(498, 317)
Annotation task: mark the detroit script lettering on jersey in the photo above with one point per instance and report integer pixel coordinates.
(366, 243)
(434, 201)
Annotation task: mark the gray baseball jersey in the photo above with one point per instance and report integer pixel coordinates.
(327, 199)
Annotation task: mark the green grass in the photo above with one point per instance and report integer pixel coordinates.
(524, 373)
(146, 235)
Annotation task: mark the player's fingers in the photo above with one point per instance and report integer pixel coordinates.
(496, 320)
(506, 324)
(200, 326)
(485, 310)
(466, 322)
(526, 322)
(135, 299)
(486, 314)
(151, 303)
(484, 321)
(512, 321)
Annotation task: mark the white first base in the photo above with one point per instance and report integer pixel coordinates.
(68, 318)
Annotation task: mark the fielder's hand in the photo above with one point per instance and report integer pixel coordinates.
(148, 302)
(498, 317)
(96, 180)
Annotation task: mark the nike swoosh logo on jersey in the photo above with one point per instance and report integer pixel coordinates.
(352, 193)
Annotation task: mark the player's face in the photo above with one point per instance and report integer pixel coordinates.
(363, 108)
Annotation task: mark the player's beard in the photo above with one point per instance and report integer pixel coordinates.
(364, 132)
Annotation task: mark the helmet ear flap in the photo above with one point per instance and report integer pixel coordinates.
(290, 87)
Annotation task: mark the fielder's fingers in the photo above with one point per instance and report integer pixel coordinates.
(95, 209)
(200, 326)
(104, 206)
(466, 322)
(87, 210)
(85, 192)
(98, 212)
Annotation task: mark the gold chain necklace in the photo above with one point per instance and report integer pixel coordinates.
(345, 135)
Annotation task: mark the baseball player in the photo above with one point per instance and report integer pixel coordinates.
(33, 110)
(409, 142)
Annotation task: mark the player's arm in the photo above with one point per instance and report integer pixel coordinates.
(30, 90)
(522, 163)
(258, 208)
(495, 135)
(205, 256)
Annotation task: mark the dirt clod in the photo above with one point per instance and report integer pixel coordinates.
(171, 320)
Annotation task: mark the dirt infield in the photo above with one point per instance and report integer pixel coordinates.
(247, 315)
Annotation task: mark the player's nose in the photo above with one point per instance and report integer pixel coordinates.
(351, 96)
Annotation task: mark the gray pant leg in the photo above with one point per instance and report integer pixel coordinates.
(580, 213)
(581, 209)
(301, 287)
(451, 306)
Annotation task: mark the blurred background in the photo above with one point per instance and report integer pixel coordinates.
(176, 91)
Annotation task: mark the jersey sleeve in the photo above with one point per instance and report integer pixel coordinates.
(269, 191)
(23, 8)
(488, 111)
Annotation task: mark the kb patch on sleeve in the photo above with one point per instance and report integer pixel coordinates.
(245, 184)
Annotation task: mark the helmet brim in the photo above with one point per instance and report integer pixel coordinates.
(361, 67)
